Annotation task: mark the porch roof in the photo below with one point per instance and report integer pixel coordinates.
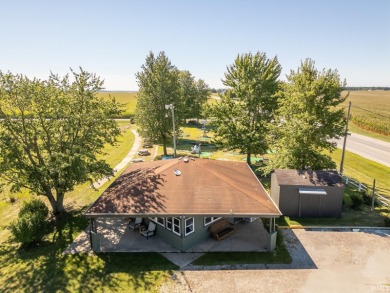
(205, 187)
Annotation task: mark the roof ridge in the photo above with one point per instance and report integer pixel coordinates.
(166, 166)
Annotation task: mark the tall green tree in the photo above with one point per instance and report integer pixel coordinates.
(307, 118)
(242, 114)
(52, 131)
(159, 85)
(194, 94)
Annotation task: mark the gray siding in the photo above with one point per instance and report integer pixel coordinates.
(275, 189)
(289, 201)
(292, 204)
(184, 242)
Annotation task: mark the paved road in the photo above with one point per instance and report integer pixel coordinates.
(370, 148)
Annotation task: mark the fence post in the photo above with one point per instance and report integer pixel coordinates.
(360, 187)
(346, 180)
(373, 196)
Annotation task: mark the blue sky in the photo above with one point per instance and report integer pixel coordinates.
(112, 38)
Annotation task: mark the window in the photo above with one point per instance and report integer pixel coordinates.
(209, 220)
(189, 226)
(168, 223)
(176, 226)
(158, 220)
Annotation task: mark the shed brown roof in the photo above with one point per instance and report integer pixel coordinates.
(308, 178)
(205, 187)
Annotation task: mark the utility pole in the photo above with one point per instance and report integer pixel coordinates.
(373, 196)
(345, 140)
(172, 107)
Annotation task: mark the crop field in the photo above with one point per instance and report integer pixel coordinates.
(370, 112)
(128, 99)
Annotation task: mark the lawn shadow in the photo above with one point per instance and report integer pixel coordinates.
(45, 268)
(300, 259)
(144, 268)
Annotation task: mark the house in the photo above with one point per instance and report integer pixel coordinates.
(300, 193)
(184, 197)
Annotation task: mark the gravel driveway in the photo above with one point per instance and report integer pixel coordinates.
(323, 261)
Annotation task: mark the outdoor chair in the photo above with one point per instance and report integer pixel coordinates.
(150, 231)
(135, 223)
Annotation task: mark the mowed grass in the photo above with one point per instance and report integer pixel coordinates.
(365, 171)
(128, 99)
(279, 256)
(45, 268)
(370, 113)
(82, 195)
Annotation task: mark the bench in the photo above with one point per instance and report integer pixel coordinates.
(222, 229)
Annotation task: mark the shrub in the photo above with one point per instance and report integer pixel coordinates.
(386, 218)
(35, 206)
(357, 201)
(31, 223)
(367, 197)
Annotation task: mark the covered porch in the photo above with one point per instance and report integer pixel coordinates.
(113, 235)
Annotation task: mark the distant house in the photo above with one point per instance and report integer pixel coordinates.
(184, 206)
(307, 194)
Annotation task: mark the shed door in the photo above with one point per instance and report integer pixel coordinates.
(310, 205)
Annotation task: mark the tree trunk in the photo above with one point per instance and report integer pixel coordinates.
(165, 149)
(248, 158)
(57, 205)
(165, 145)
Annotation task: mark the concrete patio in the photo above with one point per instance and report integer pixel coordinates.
(116, 237)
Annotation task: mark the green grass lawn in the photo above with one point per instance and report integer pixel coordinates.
(45, 268)
(112, 154)
(365, 171)
(279, 256)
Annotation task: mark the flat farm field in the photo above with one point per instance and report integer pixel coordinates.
(128, 99)
(370, 113)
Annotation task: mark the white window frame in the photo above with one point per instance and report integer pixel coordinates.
(176, 228)
(162, 223)
(191, 226)
(169, 221)
(212, 220)
(156, 220)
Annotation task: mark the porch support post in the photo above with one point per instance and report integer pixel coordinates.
(91, 224)
(272, 234)
(94, 236)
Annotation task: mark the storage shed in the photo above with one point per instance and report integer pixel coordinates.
(300, 193)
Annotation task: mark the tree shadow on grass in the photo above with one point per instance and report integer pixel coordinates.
(64, 231)
(144, 270)
(45, 268)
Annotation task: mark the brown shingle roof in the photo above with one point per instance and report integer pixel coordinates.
(308, 178)
(205, 187)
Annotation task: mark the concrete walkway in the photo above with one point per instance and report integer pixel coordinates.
(126, 160)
